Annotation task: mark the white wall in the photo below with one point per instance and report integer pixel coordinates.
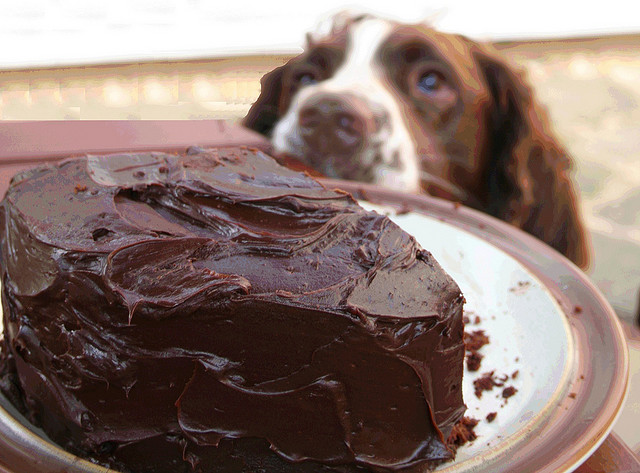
(58, 32)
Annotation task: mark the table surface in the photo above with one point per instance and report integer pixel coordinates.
(25, 144)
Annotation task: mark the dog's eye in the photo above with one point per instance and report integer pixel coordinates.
(429, 82)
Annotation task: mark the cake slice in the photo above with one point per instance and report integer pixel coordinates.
(217, 312)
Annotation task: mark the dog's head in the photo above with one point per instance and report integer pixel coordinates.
(381, 102)
(412, 108)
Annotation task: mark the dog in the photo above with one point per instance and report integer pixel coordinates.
(417, 110)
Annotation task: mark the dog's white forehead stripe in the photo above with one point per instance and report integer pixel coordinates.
(365, 39)
(361, 73)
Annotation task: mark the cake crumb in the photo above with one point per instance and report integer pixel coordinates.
(474, 359)
(515, 374)
(477, 320)
(487, 382)
(577, 309)
(79, 188)
(521, 287)
(484, 383)
(463, 432)
(475, 340)
(508, 392)
(491, 416)
(572, 395)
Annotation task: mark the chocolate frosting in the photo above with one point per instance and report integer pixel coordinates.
(214, 311)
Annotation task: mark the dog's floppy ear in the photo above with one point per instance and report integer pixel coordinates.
(528, 171)
(265, 112)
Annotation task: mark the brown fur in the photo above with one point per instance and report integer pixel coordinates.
(528, 175)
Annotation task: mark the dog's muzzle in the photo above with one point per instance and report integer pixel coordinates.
(335, 125)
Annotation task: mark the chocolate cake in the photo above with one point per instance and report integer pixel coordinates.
(216, 312)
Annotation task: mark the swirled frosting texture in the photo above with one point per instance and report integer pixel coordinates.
(216, 312)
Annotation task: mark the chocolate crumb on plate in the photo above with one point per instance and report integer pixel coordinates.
(508, 392)
(475, 340)
(474, 359)
(463, 432)
(491, 416)
(486, 382)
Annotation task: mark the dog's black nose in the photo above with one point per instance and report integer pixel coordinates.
(335, 124)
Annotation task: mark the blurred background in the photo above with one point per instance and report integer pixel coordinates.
(194, 59)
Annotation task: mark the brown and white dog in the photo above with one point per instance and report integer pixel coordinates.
(417, 110)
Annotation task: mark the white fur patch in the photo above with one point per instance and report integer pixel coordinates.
(361, 75)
